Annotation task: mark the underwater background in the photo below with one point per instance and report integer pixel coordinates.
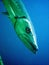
(12, 50)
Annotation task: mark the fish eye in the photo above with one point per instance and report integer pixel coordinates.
(28, 30)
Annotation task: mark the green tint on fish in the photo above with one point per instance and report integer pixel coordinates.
(1, 63)
(21, 23)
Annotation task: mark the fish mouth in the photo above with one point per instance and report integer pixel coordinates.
(33, 46)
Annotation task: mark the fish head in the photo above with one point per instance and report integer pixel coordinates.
(26, 34)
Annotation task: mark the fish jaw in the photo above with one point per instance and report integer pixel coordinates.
(28, 39)
(30, 43)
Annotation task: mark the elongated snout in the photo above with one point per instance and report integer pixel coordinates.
(34, 47)
(31, 43)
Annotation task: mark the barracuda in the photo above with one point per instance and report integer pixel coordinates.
(21, 23)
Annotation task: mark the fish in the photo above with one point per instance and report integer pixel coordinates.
(21, 22)
(1, 62)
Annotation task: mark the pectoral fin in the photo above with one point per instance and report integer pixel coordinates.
(5, 13)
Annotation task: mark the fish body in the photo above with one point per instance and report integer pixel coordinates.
(1, 63)
(21, 23)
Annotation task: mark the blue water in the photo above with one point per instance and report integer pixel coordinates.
(12, 50)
